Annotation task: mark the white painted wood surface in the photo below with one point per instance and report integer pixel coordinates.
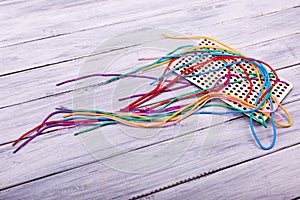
(45, 42)
(266, 177)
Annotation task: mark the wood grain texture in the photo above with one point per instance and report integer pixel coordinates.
(99, 14)
(236, 146)
(248, 180)
(96, 180)
(52, 96)
(16, 92)
(48, 41)
(81, 44)
(285, 45)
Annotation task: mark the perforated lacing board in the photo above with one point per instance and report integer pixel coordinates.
(239, 89)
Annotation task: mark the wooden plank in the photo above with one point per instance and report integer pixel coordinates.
(98, 181)
(273, 176)
(81, 44)
(98, 14)
(73, 155)
(277, 52)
